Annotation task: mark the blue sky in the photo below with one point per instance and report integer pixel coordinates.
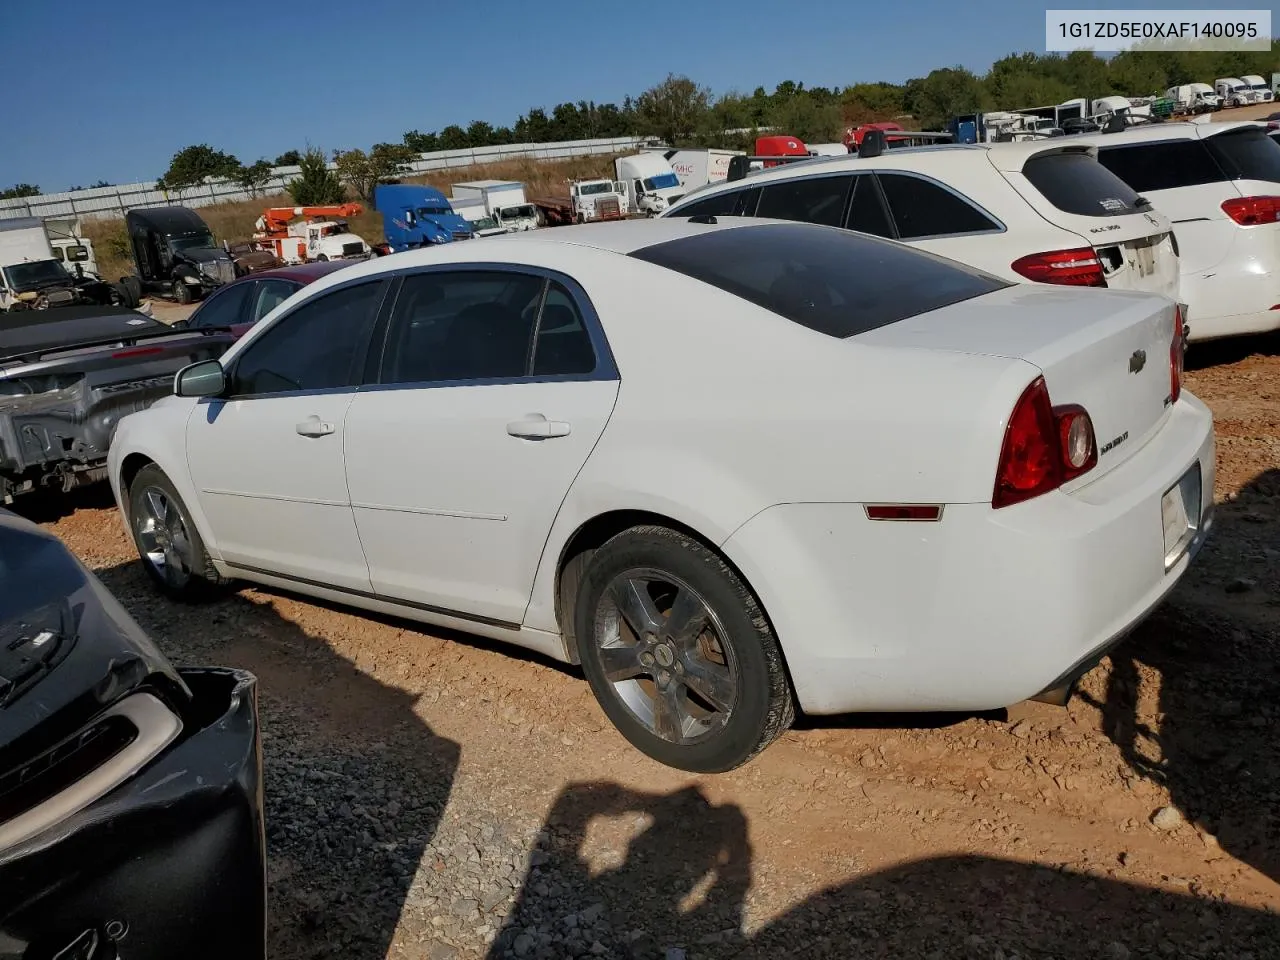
(113, 90)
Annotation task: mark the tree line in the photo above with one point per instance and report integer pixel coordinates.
(683, 112)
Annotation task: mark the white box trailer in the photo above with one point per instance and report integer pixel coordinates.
(24, 238)
(504, 200)
(696, 168)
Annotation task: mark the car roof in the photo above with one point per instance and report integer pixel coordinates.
(1169, 130)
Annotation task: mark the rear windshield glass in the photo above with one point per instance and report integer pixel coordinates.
(1246, 154)
(1077, 183)
(830, 280)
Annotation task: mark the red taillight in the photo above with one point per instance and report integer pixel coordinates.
(1044, 447)
(1252, 211)
(1074, 268)
(1177, 350)
(136, 352)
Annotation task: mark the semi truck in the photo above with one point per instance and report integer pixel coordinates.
(504, 200)
(1261, 90)
(32, 277)
(1193, 98)
(415, 215)
(698, 167)
(586, 201)
(1233, 92)
(650, 184)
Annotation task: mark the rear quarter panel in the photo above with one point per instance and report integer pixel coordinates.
(725, 409)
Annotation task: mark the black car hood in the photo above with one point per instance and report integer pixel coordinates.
(204, 254)
(68, 648)
(36, 331)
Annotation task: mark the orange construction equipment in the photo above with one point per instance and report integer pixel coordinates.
(280, 230)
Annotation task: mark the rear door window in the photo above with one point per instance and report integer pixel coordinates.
(1077, 183)
(922, 208)
(1246, 153)
(810, 199)
(1166, 165)
(836, 282)
(223, 308)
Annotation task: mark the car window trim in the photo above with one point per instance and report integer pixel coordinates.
(605, 369)
(1000, 227)
(364, 348)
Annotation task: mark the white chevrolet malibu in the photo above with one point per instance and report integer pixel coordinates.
(733, 467)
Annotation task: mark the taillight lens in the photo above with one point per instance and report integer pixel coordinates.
(1177, 351)
(1252, 211)
(1044, 447)
(1074, 268)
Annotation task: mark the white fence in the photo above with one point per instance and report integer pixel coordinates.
(114, 201)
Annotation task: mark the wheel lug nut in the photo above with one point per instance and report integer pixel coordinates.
(646, 659)
(679, 667)
(664, 677)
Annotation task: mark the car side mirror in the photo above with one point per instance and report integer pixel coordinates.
(203, 379)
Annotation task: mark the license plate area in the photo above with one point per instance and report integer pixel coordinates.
(1180, 514)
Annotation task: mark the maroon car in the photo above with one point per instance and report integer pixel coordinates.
(244, 301)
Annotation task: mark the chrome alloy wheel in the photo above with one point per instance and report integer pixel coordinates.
(663, 649)
(162, 536)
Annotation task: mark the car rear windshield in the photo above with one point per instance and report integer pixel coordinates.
(830, 280)
(1246, 154)
(1077, 183)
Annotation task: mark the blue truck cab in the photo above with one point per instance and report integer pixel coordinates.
(417, 216)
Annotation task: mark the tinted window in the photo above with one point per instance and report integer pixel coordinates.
(318, 346)
(811, 200)
(563, 346)
(1247, 154)
(866, 210)
(223, 308)
(834, 281)
(924, 209)
(727, 203)
(1077, 183)
(269, 295)
(1161, 166)
(462, 326)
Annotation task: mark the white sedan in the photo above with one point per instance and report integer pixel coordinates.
(733, 468)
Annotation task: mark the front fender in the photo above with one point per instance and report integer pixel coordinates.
(159, 434)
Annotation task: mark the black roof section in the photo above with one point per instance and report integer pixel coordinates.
(29, 333)
(834, 281)
(169, 220)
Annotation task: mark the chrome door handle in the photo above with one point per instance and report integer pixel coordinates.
(313, 426)
(537, 427)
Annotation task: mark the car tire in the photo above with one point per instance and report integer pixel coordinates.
(705, 696)
(322, 258)
(182, 291)
(168, 543)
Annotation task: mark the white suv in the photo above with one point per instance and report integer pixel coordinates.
(1045, 211)
(1220, 185)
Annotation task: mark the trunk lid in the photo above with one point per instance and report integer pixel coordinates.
(1069, 188)
(1107, 351)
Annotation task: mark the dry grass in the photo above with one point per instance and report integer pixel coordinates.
(233, 222)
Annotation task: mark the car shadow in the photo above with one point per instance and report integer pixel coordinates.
(355, 782)
(670, 881)
(1193, 698)
(1213, 353)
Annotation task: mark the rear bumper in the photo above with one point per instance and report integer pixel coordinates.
(171, 864)
(983, 608)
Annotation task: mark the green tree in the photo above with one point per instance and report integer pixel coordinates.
(290, 158)
(193, 165)
(801, 116)
(254, 177)
(364, 171)
(315, 185)
(943, 94)
(20, 190)
(479, 134)
(453, 137)
(674, 109)
(421, 142)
